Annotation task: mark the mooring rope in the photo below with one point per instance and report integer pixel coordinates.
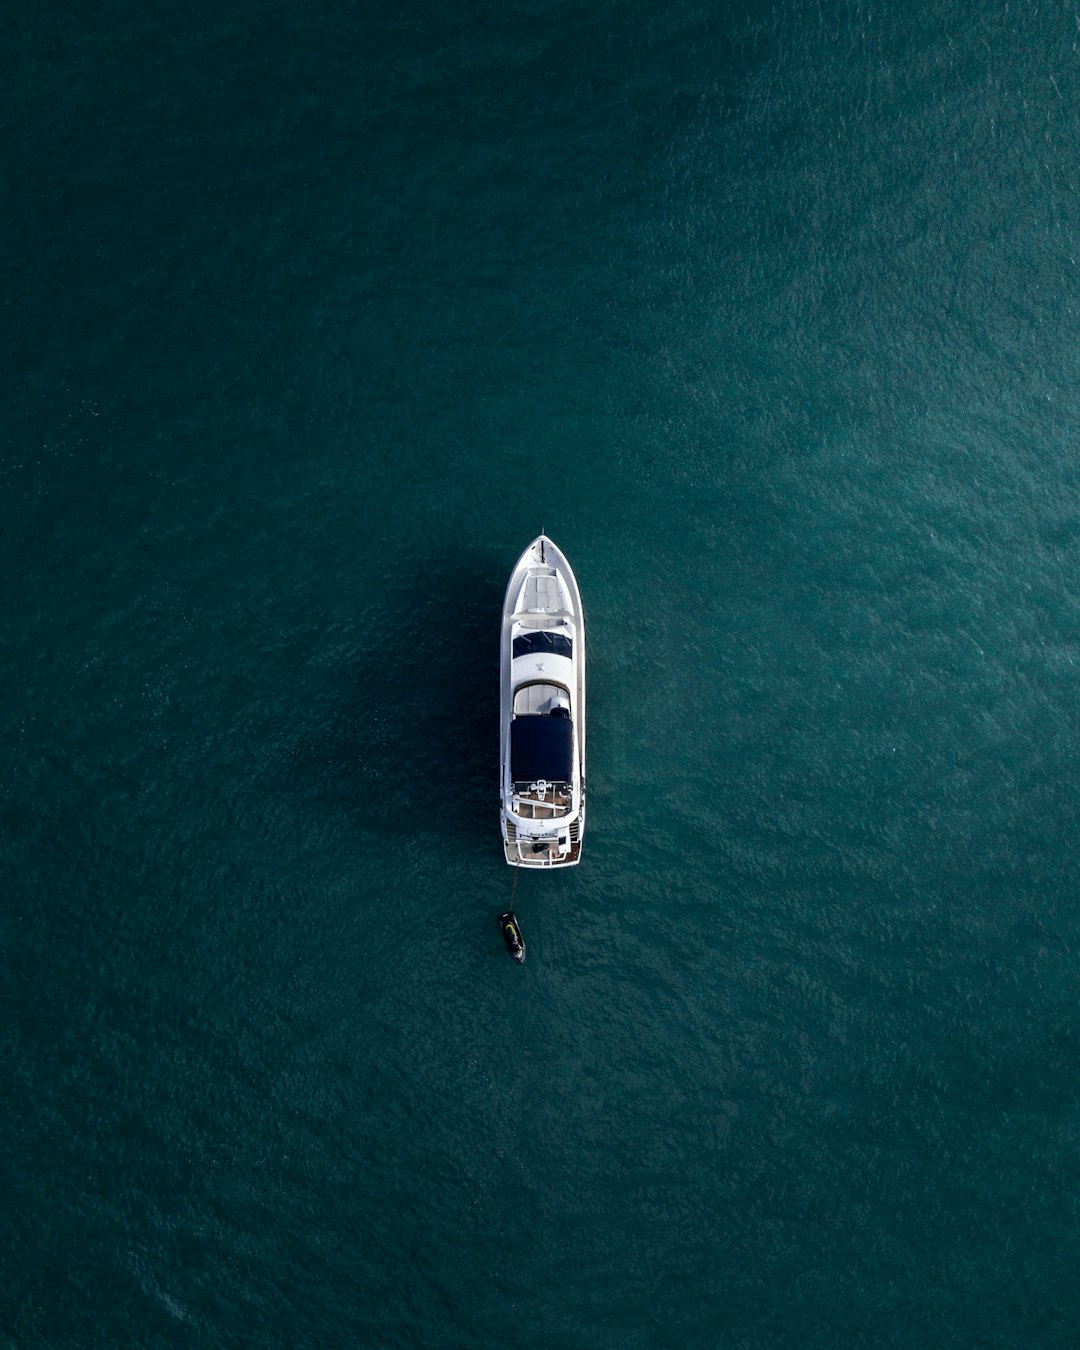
(513, 888)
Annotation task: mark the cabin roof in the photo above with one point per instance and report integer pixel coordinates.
(541, 747)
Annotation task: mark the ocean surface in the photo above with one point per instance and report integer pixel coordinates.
(313, 317)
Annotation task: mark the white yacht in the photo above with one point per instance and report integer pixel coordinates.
(542, 705)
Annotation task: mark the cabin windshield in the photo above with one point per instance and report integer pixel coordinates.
(542, 643)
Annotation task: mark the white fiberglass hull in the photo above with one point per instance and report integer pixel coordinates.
(542, 712)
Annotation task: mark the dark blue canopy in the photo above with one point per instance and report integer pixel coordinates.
(541, 747)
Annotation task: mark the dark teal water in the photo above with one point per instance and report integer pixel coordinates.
(313, 317)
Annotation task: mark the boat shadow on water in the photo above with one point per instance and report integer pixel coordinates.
(408, 738)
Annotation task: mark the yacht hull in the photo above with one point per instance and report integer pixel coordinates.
(542, 711)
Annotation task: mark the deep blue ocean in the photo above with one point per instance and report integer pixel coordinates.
(313, 317)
